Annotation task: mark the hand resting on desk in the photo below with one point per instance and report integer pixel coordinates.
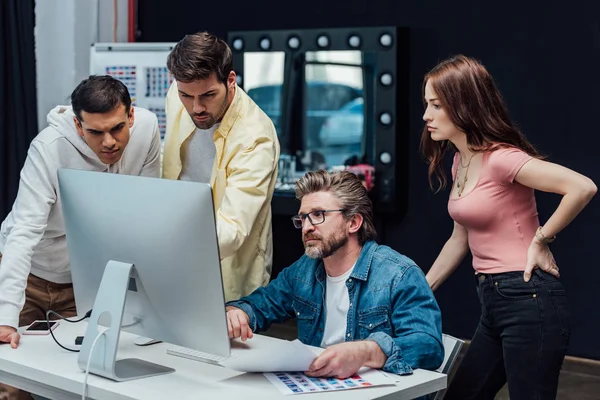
(8, 334)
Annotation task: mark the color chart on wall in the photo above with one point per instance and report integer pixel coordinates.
(142, 67)
(126, 74)
(162, 119)
(158, 81)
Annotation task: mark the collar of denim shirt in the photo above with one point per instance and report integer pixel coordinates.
(361, 268)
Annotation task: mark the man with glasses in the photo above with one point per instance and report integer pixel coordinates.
(365, 303)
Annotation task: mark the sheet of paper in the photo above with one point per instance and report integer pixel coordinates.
(279, 356)
(297, 383)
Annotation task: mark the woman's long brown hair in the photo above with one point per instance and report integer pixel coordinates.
(469, 96)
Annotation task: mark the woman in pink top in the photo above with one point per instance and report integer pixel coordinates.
(523, 332)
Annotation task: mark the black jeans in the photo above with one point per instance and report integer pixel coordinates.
(522, 338)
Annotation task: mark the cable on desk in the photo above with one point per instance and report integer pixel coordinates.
(89, 361)
(87, 315)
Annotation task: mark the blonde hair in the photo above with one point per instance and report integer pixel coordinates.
(350, 192)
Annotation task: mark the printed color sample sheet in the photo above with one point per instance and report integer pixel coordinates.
(297, 383)
(161, 115)
(158, 81)
(126, 74)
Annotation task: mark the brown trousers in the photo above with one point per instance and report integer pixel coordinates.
(40, 296)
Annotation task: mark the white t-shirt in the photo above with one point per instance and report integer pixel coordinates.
(198, 155)
(337, 303)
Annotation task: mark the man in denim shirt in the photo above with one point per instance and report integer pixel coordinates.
(366, 303)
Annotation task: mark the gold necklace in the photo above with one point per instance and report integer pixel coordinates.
(461, 185)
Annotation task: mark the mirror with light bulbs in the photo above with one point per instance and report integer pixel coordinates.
(338, 99)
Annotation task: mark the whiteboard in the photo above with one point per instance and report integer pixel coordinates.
(142, 67)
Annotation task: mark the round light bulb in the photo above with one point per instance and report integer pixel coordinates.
(386, 40)
(354, 41)
(294, 42)
(238, 44)
(239, 80)
(385, 158)
(323, 41)
(386, 79)
(385, 118)
(265, 44)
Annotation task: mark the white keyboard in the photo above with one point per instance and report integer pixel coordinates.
(195, 355)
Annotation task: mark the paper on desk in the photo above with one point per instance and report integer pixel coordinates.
(279, 356)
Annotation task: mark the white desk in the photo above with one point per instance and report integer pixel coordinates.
(41, 367)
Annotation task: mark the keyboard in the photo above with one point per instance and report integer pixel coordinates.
(195, 355)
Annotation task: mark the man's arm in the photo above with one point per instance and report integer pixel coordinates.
(152, 163)
(272, 303)
(416, 340)
(247, 189)
(35, 198)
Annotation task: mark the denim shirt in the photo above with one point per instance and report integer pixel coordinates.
(390, 303)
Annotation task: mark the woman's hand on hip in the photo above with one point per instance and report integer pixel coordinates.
(540, 256)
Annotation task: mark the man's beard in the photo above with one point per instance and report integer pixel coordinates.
(325, 248)
(212, 120)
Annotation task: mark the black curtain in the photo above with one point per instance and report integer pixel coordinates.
(18, 101)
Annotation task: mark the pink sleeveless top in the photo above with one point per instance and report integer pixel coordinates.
(500, 215)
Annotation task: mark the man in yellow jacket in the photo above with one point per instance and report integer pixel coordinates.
(217, 134)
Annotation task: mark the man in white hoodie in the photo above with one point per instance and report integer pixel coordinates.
(101, 131)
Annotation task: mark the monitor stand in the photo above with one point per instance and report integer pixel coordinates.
(110, 302)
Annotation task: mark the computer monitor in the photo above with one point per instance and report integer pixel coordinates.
(144, 255)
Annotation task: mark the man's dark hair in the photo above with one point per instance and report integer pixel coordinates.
(198, 56)
(99, 94)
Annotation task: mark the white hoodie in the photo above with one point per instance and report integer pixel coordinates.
(32, 237)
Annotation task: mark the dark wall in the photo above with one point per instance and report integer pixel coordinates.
(545, 56)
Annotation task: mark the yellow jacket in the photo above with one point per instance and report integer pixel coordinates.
(243, 179)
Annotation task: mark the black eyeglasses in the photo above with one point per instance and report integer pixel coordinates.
(315, 217)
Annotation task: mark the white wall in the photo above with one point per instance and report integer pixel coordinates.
(64, 32)
(106, 21)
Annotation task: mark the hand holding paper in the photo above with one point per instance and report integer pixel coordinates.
(276, 356)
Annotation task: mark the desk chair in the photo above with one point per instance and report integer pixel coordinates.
(452, 348)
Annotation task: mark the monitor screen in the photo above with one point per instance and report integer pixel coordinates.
(166, 230)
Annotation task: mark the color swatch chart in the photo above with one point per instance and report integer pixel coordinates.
(296, 382)
(127, 75)
(158, 81)
(162, 120)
